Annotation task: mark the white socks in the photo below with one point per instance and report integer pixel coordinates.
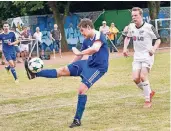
(140, 85)
(146, 90)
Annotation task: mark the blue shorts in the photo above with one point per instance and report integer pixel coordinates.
(55, 45)
(10, 56)
(88, 74)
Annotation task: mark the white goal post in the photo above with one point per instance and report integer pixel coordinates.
(161, 20)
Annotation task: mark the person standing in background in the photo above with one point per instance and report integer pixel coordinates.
(113, 31)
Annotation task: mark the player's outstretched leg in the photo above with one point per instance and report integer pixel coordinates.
(47, 73)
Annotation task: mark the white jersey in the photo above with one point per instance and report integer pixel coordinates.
(38, 36)
(142, 40)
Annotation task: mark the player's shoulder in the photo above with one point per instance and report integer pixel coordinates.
(98, 35)
(11, 32)
(148, 25)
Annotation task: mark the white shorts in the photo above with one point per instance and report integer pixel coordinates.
(137, 65)
(24, 47)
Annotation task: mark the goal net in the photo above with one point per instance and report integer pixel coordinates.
(163, 28)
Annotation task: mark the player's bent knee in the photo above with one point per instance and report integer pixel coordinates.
(63, 71)
(83, 89)
(136, 79)
(143, 78)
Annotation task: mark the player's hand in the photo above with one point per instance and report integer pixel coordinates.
(76, 51)
(151, 52)
(125, 52)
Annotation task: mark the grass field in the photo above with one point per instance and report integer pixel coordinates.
(114, 102)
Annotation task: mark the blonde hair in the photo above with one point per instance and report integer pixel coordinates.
(138, 9)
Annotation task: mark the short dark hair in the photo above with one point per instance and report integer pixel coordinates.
(5, 23)
(86, 22)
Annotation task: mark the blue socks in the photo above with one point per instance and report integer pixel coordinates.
(13, 72)
(49, 73)
(82, 99)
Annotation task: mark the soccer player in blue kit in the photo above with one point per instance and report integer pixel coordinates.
(8, 41)
(90, 70)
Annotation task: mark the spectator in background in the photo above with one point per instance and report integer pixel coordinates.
(113, 31)
(29, 32)
(56, 37)
(38, 36)
(24, 46)
(47, 43)
(104, 28)
(2, 55)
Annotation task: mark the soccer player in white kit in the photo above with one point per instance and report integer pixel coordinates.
(143, 35)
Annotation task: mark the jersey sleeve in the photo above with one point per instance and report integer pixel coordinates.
(129, 34)
(154, 34)
(102, 38)
(130, 29)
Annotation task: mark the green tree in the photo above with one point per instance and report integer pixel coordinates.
(154, 8)
(8, 10)
(57, 7)
(60, 19)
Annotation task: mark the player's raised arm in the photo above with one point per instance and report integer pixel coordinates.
(93, 49)
(89, 51)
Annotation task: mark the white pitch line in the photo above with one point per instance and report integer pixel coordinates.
(66, 105)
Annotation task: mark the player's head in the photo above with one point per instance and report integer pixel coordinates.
(5, 26)
(86, 27)
(137, 15)
(55, 26)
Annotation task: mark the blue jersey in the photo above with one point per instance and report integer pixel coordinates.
(100, 58)
(5, 38)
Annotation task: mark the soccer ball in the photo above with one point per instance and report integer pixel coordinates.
(35, 65)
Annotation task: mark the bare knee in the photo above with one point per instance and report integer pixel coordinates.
(12, 65)
(83, 89)
(143, 77)
(136, 79)
(63, 71)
